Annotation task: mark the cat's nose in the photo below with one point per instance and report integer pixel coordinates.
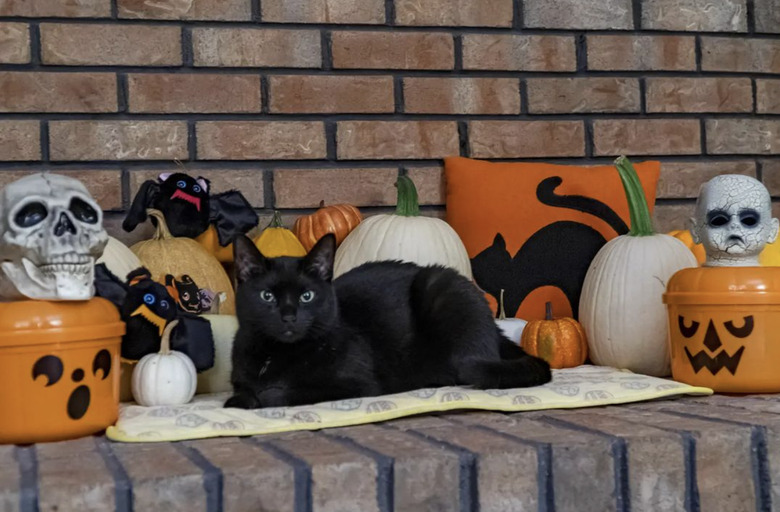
(288, 319)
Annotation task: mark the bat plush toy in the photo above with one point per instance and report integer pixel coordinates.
(147, 307)
(189, 209)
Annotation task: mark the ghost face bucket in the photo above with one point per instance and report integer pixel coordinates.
(724, 325)
(59, 369)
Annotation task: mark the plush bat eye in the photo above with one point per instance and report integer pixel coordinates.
(164, 304)
(149, 298)
(181, 184)
(196, 189)
(267, 296)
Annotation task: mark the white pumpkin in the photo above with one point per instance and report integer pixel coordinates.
(404, 236)
(166, 378)
(217, 378)
(119, 259)
(621, 306)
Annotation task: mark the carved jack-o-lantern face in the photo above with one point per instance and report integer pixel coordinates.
(713, 356)
(52, 368)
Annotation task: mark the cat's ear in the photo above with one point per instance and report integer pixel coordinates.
(247, 258)
(319, 261)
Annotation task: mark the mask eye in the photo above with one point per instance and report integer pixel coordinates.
(196, 189)
(83, 211)
(181, 184)
(267, 296)
(749, 218)
(307, 296)
(685, 330)
(149, 298)
(30, 215)
(740, 332)
(717, 219)
(164, 304)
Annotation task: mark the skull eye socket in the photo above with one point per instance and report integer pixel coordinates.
(31, 214)
(83, 211)
(749, 218)
(717, 218)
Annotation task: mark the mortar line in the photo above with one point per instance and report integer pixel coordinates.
(754, 92)
(518, 18)
(636, 12)
(213, 479)
(385, 470)
(122, 93)
(187, 57)
(269, 194)
(256, 10)
(301, 473)
(326, 43)
(27, 461)
(44, 141)
(750, 13)
(265, 94)
(398, 95)
(123, 485)
(457, 52)
(35, 45)
(463, 138)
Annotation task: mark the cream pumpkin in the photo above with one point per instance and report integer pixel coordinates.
(118, 258)
(166, 378)
(404, 236)
(621, 307)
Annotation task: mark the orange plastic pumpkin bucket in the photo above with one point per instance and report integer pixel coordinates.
(59, 369)
(724, 325)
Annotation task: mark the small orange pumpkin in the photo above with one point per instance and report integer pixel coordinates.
(561, 342)
(338, 219)
(684, 235)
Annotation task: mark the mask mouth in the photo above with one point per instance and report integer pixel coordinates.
(187, 197)
(151, 317)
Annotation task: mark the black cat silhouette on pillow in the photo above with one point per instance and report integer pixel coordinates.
(533, 229)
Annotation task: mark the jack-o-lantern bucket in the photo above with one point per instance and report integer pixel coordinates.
(724, 325)
(59, 369)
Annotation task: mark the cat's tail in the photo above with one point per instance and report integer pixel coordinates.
(516, 369)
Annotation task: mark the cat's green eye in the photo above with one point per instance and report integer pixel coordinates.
(267, 296)
(307, 296)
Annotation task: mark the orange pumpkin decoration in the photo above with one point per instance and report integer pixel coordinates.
(338, 219)
(210, 241)
(561, 342)
(685, 237)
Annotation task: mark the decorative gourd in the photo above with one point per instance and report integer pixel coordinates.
(276, 240)
(621, 304)
(210, 241)
(561, 342)
(405, 236)
(511, 327)
(119, 259)
(166, 254)
(166, 378)
(684, 235)
(339, 219)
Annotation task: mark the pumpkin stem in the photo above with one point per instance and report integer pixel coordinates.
(641, 223)
(322, 204)
(161, 232)
(548, 311)
(407, 204)
(165, 343)
(276, 220)
(501, 312)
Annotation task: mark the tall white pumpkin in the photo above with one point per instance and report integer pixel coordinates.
(621, 306)
(404, 236)
(119, 259)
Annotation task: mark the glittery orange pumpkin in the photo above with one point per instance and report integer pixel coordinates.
(338, 219)
(561, 341)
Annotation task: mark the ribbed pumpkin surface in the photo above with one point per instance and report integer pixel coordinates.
(166, 254)
(338, 219)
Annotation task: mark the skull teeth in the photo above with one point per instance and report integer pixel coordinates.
(70, 257)
(71, 268)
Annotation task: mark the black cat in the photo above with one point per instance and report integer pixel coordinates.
(384, 327)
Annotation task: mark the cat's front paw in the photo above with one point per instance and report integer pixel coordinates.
(243, 401)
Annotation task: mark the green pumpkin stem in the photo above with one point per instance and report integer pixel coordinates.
(276, 221)
(407, 204)
(501, 312)
(548, 311)
(641, 223)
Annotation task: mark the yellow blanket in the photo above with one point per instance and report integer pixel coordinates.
(584, 386)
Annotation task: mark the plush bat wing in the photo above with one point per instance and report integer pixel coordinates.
(231, 215)
(193, 336)
(146, 197)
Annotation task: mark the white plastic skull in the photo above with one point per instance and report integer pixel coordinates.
(733, 220)
(51, 232)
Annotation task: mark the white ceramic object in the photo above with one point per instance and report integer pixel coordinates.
(51, 232)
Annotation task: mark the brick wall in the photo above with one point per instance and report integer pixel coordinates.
(296, 101)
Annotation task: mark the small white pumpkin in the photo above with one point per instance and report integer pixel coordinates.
(404, 236)
(119, 259)
(166, 378)
(621, 306)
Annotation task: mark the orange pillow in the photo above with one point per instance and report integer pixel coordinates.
(532, 229)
